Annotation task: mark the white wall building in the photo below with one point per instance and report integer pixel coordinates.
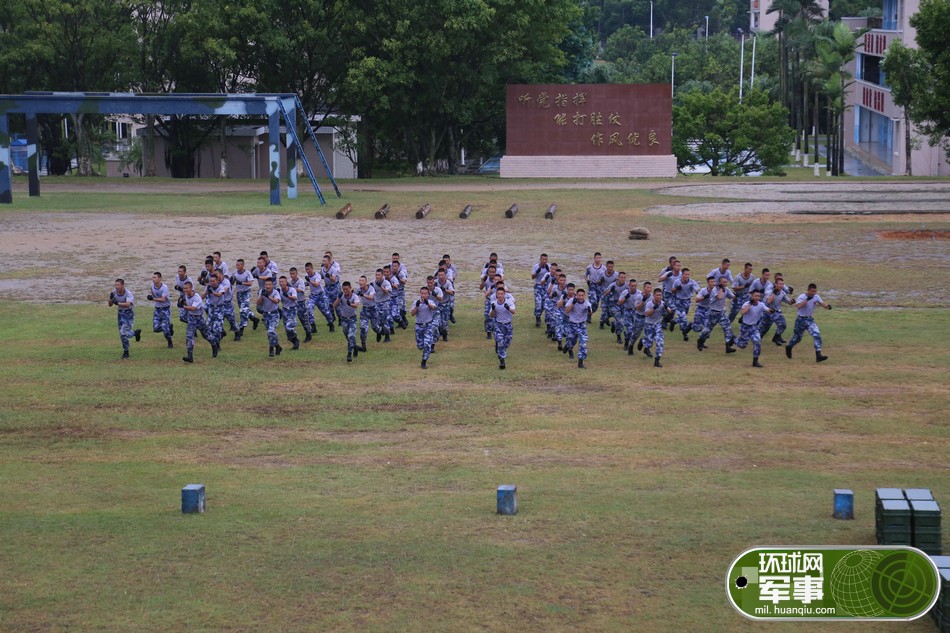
(874, 125)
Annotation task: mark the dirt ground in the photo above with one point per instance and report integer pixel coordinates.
(91, 249)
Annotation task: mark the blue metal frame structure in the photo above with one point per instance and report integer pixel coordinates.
(273, 106)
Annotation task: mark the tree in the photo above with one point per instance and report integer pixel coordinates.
(932, 113)
(907, 74)
(835, 51)
(731, 138)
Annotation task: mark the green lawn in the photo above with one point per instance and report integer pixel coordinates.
(361, 497)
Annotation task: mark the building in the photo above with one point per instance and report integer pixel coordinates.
(241, 153)
(874, 125)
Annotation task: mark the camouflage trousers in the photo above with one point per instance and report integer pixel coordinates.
(653, 333)
(384, 316)
(197, 323)
(633, 325)
(271, 320)
(747, 333)
(321, 302)
(737, 305)
(699, 318)
(333, 292)
(244, 308)
(593, 295)
(126, 319)
(718, 318)
(369, 318)
(775, 318)
(289, 316)
(305, 315)
(503, 334)
(426, 335)
(551, 314)
(607, 307)
(681, 307)
(348, 325)
(162, 321)
(445, 308)
(539, 302)
(489, 322)
(802, 325)
(216, 320)
(577, 333)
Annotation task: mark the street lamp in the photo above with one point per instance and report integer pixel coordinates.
(706, 42)
(752, 74)
(673, 73)
(651, 19)
(741, 63)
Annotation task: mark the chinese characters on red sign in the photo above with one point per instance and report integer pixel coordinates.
(589, 119)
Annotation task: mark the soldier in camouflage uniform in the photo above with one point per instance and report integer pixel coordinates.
(639, 316)
(447, 288)
(750, 317)
(180, 282)
(627, 310)
(425, 311)
(655, 311)
(347, 305)
(319, 298)
(805, 322)
(303, 306)
(610, 311)
(383, 296)
(606, 303)
(217, 296)
(268, 304)
(194, 307)
(577, 309)
(288, 310)
(162, 316)
(503, 311)
(395, 315)
(594, 275)
(330, 271)
(775, 299)
(368, 315)
(243, 280)
(541, 274)
(125, 302)
(683, 291)
(717, 314)
(487, 286)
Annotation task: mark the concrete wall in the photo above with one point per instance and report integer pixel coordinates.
(588, 166)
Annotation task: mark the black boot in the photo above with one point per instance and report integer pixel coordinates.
(537, 321)
(630, 350)
(626, 344)
(656, 362)
(386, 340)
(254, 322)
(237, 335)
(445, 335)
(270, 351)
(788, 351)
(619, 338)
(777, 340)
(487, 334)
(601, 324)
(170, 344)
(214, 350)
(423, 363)
(451, 316)
(755, 361)
(308, 337)
(639, 344)
(613, 327)
(188, 358)
(501, 363)
(686, 335)
(278, 349)
(560, 346)
(647, 352)
(296, 341)
(580, 364)
(171, 329)
(138, 335)
(819, 357)
(363, 347)
(125, 353)
(570, 353)
(729, 348)
(700, 344)
(349, 356)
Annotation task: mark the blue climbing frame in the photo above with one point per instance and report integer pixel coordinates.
(273, 106)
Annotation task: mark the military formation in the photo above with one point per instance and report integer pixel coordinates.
(638, 313)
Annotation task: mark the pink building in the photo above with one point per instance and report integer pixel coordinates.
(874, 126)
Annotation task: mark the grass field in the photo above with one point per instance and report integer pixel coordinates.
(361, 497)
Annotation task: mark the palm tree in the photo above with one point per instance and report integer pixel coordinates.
(835, 50)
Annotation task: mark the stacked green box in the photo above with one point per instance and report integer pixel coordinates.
(880, 496)
(941, 611)
(894, 525)
(925, 518)
(918, 494)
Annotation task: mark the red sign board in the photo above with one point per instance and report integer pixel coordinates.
(872, 98)
(875, 43)
(589, 120)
